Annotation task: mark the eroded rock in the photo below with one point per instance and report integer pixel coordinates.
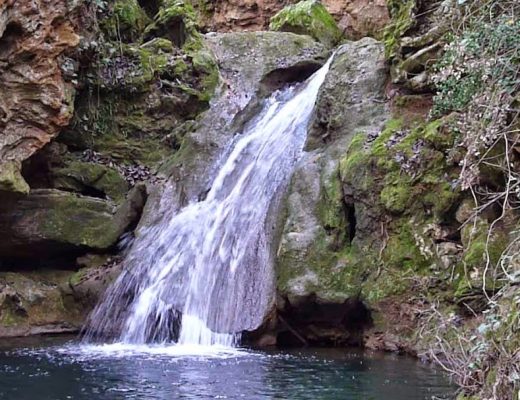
(34, 39)
(356, 18)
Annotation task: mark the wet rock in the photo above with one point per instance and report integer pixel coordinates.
(308, 17)
(34, 36)
(87, 285)
(245, 61)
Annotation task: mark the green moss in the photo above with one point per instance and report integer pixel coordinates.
(355, 166)
(205, 64)
(78, 277)
(308, 17)
(127, 21)
(390, 283)
(380, 146)
(355, 155)
(82, 175)
(395, 198)
(77, 220)
(11, 179)
(331, 207)
(176, 21)
(441, 197)
(402, 14)
(477, 238)
(402, 250)
(337, 275)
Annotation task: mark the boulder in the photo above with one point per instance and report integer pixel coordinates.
(51, 223)
(308, 17)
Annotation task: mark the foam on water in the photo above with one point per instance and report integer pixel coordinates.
(124, 350)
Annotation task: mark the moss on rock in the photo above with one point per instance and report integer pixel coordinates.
(84, 176)
(33, 303)
(126, 22)
(176, 21)
(308, 17)
(11, 179)
(402, 13)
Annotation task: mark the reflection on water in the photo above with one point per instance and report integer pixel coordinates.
(50, 370)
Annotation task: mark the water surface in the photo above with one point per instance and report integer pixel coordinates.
(50, 369)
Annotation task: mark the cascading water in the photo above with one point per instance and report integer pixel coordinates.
(204, 275)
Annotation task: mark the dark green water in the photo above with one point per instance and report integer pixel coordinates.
(47, 369)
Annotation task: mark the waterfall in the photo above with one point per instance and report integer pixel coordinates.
(205, 274)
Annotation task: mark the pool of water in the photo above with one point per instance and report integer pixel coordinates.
(52, 369)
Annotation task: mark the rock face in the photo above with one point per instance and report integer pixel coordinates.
(360, 18)
(240, 15)
(35, 303)
(35, 38)
(357, 18)
(314, 264)
(142, 76)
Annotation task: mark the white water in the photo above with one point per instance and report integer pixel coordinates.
(204, 275)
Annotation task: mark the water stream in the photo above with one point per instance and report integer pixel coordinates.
(205, 274)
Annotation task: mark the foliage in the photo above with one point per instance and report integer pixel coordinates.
(479, 77)
(477, 80)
